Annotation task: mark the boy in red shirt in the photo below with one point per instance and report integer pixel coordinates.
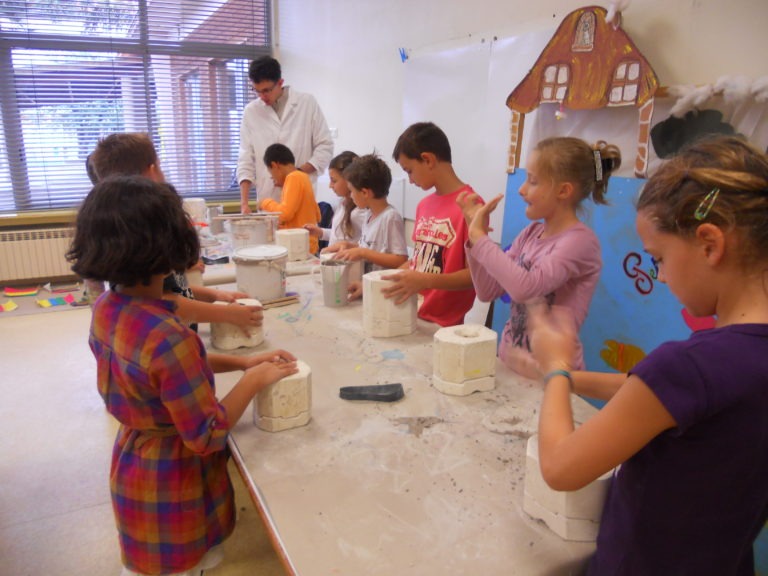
(438, 269)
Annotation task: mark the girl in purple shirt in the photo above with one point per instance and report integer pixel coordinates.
(556, 257)
(687, 425)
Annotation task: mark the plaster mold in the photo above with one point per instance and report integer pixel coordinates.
(296, 240)
(381, 316)
(225, 336)
(571, 515)
(464, 359)
(285, 404)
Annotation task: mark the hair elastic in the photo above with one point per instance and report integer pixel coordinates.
(563, 373)
(705, 206)
(598, 166)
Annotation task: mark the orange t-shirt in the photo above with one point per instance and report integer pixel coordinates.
(297, 205)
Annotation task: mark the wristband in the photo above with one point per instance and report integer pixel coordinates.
(563, 373)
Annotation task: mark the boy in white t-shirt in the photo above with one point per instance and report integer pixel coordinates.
(382, 244)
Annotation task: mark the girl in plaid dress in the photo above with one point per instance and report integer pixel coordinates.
(171, 493)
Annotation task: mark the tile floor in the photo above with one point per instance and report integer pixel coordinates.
(55, 443)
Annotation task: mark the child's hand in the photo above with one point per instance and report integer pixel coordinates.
(199, 266)
(267, 373)
(354, 290)
(227, 296)
(244, 316)
(480, 224)
(470, 203)
(406, 283)
(314, 230)
(351, 254)
(553, 335)
(272, 356)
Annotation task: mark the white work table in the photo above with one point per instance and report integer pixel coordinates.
(429, 485)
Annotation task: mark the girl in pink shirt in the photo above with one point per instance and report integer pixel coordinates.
(556, 257)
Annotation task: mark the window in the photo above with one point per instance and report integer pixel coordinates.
(73, 71)
(625, 84)
(584, 39)
(554, 85)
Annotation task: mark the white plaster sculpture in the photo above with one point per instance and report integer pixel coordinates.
(285, 404)
(464, 359)
(225, 336)
(297, 242)
(571, 515)
(381, 316)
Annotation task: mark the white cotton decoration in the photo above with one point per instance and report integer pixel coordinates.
(733, 88)
(615, 8)
(689, 98)
(760, 89)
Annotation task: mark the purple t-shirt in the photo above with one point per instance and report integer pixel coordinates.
(693, 500)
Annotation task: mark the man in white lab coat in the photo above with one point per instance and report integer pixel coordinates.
(280, 115)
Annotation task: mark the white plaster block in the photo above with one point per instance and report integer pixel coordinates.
(285, 404)
(464, 388)
(464, 352)
(572, 529)
(297, 242)
(572, 515)
(280, 424)
(381, 316)
(225, 336)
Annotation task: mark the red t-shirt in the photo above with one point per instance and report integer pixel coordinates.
(439, 237)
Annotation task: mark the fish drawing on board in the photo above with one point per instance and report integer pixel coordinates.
(621, 356)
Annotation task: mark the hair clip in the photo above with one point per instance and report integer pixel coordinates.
(598, 166)
(706, 205)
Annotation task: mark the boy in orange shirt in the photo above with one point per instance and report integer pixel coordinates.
(297, 205)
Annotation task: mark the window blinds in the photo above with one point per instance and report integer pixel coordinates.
(73, 71)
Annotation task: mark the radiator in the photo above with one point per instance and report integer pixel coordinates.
(34, 254)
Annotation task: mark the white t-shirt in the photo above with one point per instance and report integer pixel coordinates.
(385, 233)
(336, 234)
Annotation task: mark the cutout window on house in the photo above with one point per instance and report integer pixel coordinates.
(554, 86)
(584, 39)
(625, 84)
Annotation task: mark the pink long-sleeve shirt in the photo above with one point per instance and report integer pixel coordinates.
(563, 269)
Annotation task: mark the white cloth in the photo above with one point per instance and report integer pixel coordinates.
(302, 128)
(335, 233)
(384, 233)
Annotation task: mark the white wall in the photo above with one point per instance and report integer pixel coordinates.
(345, 52)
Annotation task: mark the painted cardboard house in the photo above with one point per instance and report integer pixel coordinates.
(588, 64)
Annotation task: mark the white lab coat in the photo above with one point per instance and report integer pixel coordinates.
(302, 128)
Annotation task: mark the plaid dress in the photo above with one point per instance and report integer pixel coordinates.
(171, 493)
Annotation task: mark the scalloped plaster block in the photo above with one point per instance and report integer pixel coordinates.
(285, 404)
(381, 316)
(225, 336)
(297, 242)
(573, 515)
(464, 359)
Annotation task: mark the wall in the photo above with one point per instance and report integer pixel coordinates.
(346, 51)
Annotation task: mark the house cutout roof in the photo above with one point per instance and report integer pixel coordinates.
(588, 64)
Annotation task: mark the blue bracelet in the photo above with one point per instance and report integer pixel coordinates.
(563, 373)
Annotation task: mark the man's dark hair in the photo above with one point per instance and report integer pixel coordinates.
(264, 68)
